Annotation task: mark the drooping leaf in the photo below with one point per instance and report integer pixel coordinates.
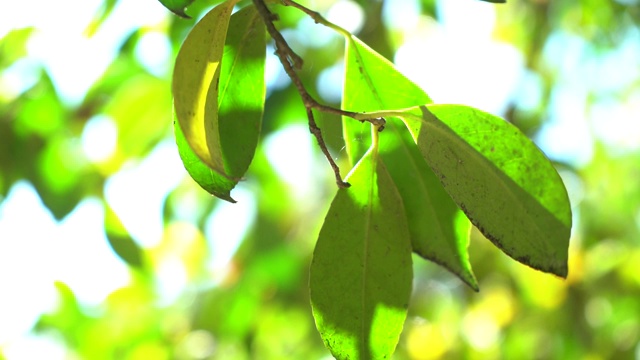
(507, 187)
(195, 84)
(208, 179)
(177, 6)
(232, 109)
(439, 231)
(361, 271)
(242, 90)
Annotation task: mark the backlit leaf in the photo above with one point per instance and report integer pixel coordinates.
(500, 179)
(242, 90)
(439, 231)
(232, 119)
(361, 271)
(208, 179)
(195, 80)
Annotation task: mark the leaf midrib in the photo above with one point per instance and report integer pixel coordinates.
(473, 154)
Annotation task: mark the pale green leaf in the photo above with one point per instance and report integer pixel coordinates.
(194, 87)
(500, 179)
(361, 271)
(232, 119)
(439, 231)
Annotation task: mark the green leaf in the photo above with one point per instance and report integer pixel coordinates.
(211, 181)
(177, 6)
(361, 271)
(439, 230)
(195, 84)
(500, 179)
(242, 90)
(103, 13)
(232, 119)
(372, 83)
(120, 240)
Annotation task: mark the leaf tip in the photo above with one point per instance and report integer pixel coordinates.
(224, 196)
(181, 13)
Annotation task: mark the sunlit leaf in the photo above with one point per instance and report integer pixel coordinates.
(361, 271)
(242, 90)
(372, 83)
(177, 6)
(194, 87)
(208, 179)
(500, 179)
(439, 231)
(231, 121)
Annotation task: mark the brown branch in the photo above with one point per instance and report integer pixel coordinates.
(290, 62)
(289, 59)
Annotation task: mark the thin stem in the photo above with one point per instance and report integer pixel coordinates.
(291, 61)
(317, 17)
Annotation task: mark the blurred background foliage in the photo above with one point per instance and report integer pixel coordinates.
(109, 251)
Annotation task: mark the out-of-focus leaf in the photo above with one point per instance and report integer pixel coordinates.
(439, 231)
(361, 272)
(120, 240)
(142, 110)
(103, 13)
(67, 317)
(13, 46)
(177, 6)
(41, 112)
(507, 187)
(60, 181)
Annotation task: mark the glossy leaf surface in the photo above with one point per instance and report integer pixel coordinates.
(361, 271)
(439, 231)
(500, 179)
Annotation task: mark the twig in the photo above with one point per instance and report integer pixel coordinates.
(316, 17)
(291, 61)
